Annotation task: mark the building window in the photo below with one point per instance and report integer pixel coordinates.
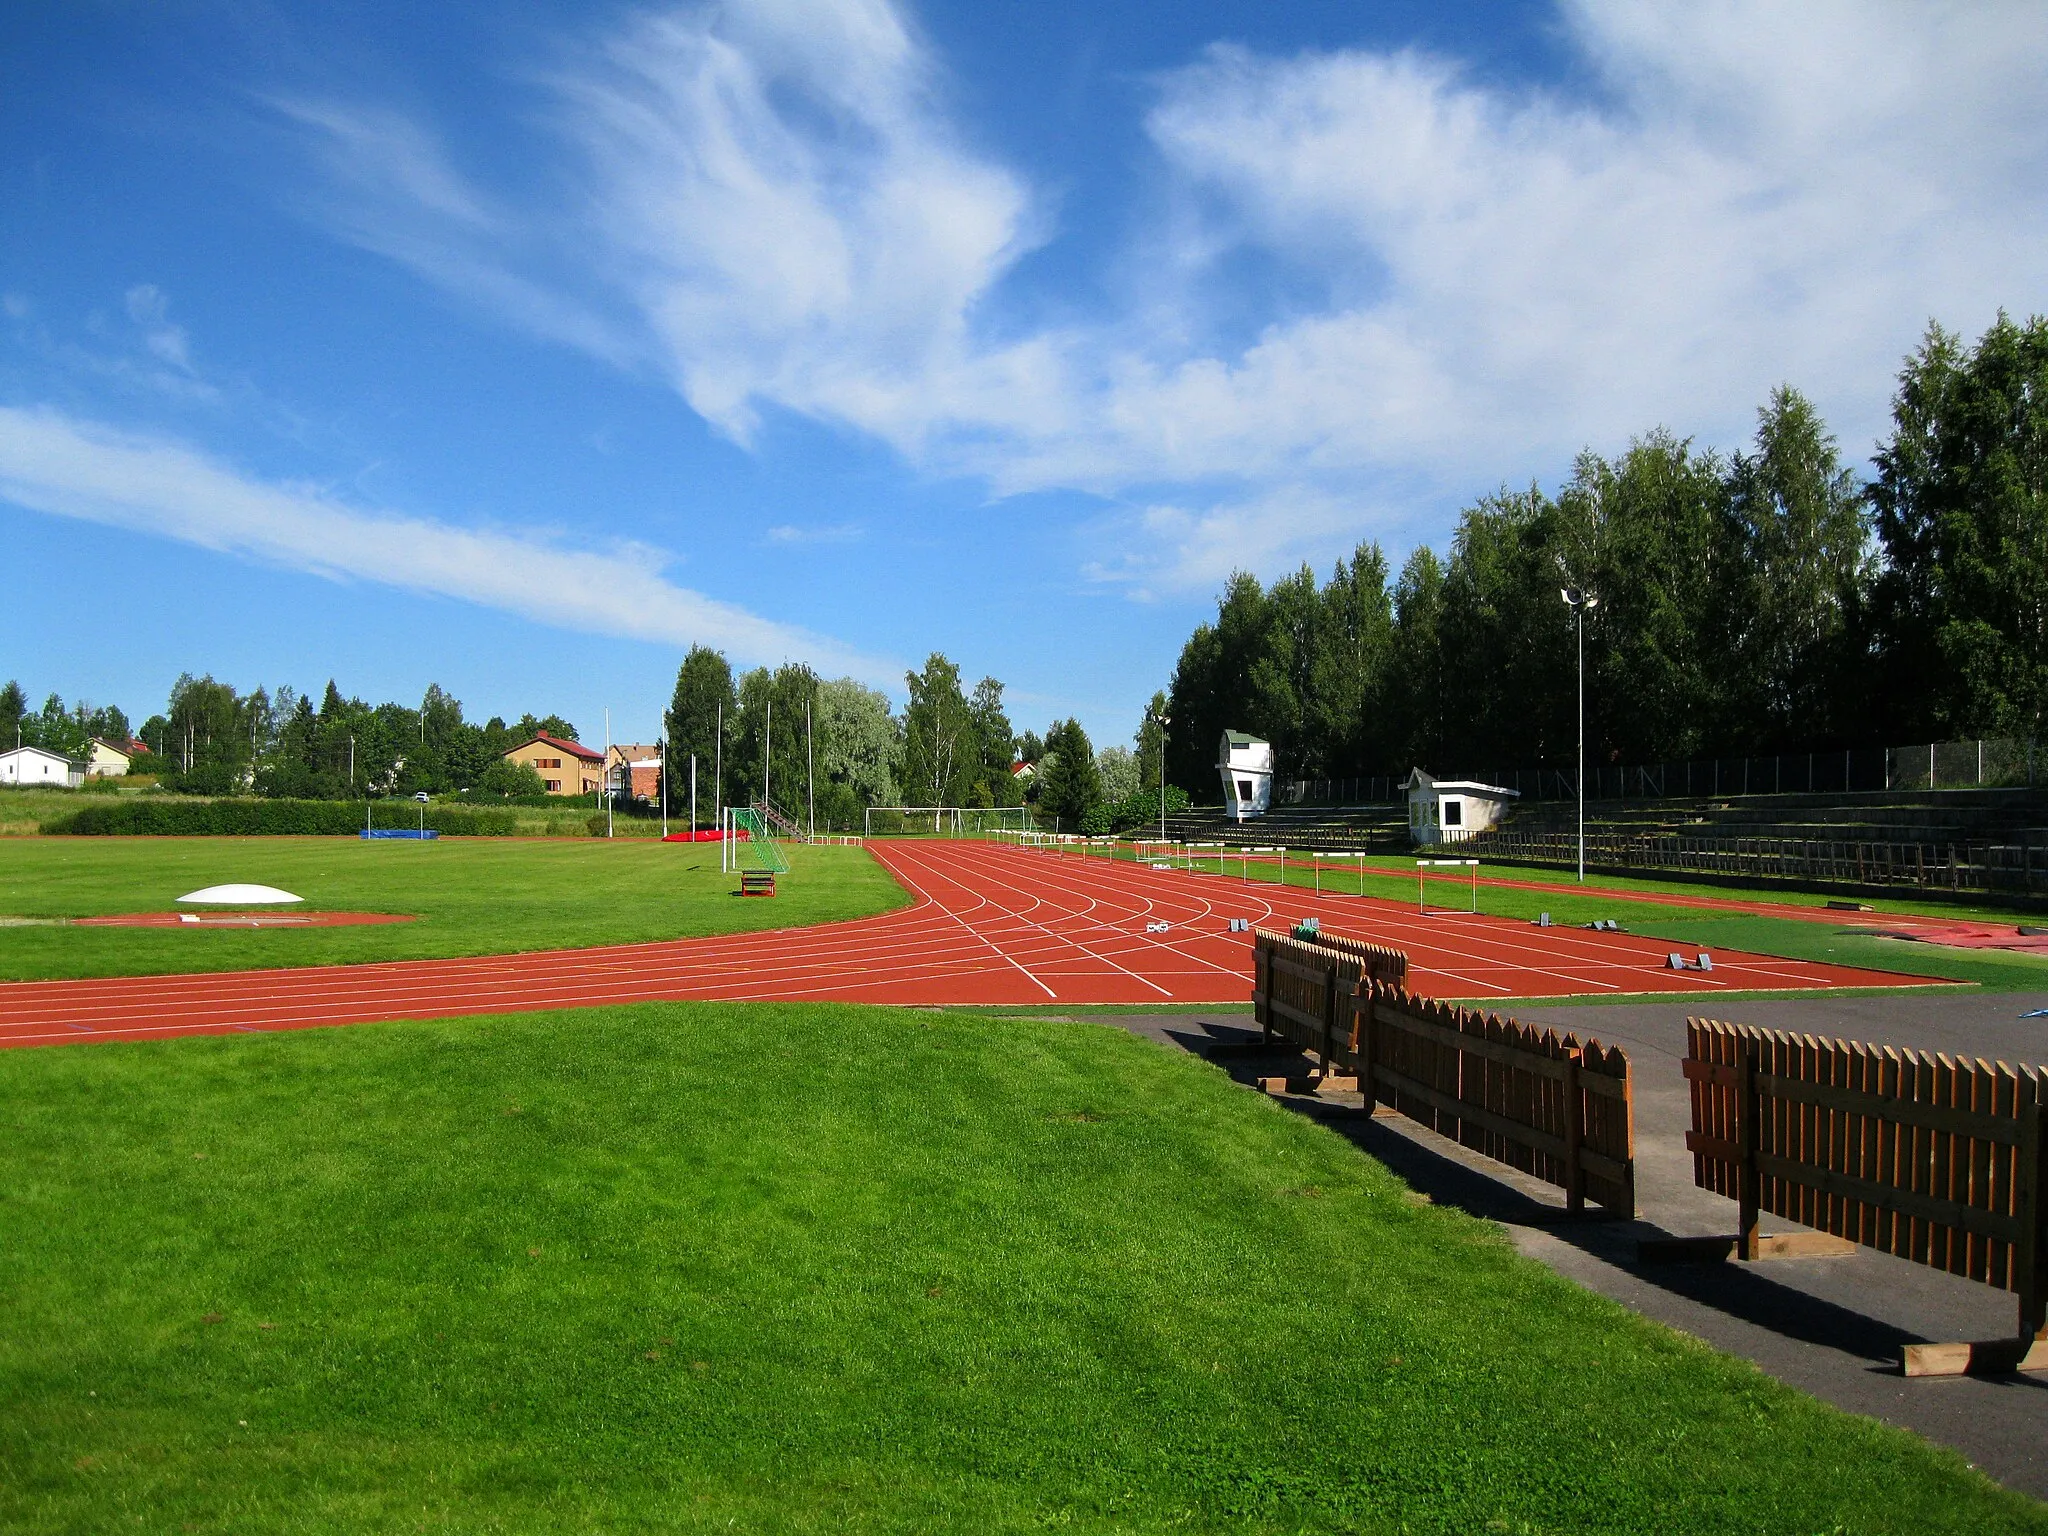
(1454, 813)
(552, 784)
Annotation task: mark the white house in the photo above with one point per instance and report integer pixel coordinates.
(32, 765)
(1451, 810)
(1246, 766)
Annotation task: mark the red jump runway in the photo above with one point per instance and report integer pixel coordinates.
(992, 924)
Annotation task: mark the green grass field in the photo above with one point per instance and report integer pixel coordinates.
(1635, 905)
(782, 1268)
(472, 896)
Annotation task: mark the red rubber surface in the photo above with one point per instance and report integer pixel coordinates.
(993, 924)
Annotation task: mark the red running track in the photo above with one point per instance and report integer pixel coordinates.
(991, 924)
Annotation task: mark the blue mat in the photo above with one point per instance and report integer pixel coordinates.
(415, 836)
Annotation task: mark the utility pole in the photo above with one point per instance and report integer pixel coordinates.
(717, 769)
(604, 786)
(811, 773)
(693, 797)
(767, 750)
(663, 787)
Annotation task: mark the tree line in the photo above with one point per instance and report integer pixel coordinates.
(212, 739)
(831, 749)
(1769, 600)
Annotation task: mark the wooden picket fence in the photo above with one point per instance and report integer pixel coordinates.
(1944, 1162)
(1521, 1095)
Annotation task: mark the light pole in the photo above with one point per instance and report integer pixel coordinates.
(1579, 601)
(1162, 721)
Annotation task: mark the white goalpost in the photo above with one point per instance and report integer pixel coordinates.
(945, 820)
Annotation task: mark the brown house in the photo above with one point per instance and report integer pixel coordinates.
(565, 767)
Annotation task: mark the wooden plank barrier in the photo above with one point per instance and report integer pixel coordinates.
(1943, 1162)
(1521, 1095)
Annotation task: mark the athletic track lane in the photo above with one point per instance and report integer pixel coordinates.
(992, 924)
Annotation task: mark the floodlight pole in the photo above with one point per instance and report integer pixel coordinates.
(693, 797)
(1162, 721)
(1579, 600)
(662, 789)
(810, 773)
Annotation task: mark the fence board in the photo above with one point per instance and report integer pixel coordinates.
(1520, 1095)
(1934, 1159)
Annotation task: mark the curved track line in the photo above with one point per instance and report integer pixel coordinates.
(989, 924)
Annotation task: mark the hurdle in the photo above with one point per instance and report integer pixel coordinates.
(1422, 868)
(1319, 857)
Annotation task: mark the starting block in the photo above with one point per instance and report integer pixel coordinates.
(1240, 925)
(1158, 927)
(1677, 962)
(1604, 925)
(1543, 920)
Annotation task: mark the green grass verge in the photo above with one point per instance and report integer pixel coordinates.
(782, 1268)
(1633, 903)
(471, 896)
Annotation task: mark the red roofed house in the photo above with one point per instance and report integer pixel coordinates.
(565, 767)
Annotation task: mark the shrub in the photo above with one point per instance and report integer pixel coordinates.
(263, 818)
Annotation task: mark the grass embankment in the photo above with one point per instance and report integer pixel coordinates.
(784, 1268)
(1636, 905)
(471, 897)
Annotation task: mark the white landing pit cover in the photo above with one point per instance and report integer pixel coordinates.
(242, 896)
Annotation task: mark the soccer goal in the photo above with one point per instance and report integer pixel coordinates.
(944, 820)
(1457, 885)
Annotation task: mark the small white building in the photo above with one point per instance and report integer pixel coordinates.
(33, 765)
(1245, 764)
(1451, 810)
(104, 760)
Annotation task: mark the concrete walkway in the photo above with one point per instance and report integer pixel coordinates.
(1831, 1327)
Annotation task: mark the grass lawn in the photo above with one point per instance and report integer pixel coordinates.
(1635, 905)
(802, 1268)
(472, 896)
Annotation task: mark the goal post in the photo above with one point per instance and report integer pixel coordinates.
(944, 820)
(1463, 875)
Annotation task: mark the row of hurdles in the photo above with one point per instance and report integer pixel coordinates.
(1939, 1162)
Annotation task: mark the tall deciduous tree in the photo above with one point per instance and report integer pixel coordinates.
(941, 744)
(703, 697)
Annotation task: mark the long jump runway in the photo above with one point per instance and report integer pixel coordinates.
(992, 924)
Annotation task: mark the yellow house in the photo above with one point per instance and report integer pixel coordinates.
(565, 767)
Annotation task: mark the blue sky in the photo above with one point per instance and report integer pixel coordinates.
(517, 347)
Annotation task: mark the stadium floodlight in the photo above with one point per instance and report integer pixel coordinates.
(1163, 721)
(1579, 600)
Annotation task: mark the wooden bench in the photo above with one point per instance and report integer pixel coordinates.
(757, 882)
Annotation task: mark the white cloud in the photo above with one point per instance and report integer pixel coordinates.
(781, 213)
(791, 535)
(55, 464)
(150, 310)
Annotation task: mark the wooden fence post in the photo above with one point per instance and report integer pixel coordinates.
(1574, 1133)
(1367, 1041)
(1329, 1009)
(1262, 985)
(1748, 1184)
(2032, 1280)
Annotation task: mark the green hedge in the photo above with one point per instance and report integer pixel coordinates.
(270, 818)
